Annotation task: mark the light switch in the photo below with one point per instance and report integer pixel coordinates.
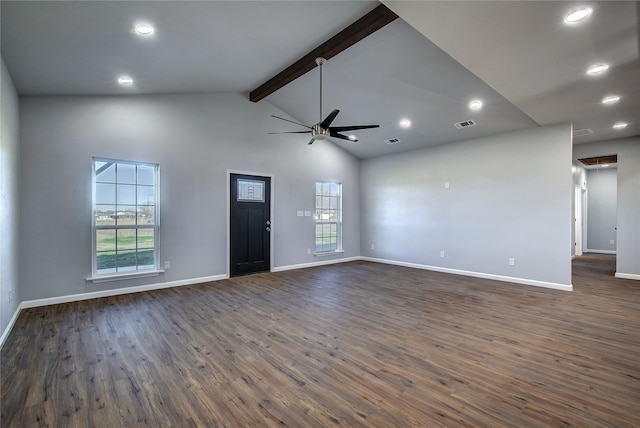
(307, 213)
(300, 213)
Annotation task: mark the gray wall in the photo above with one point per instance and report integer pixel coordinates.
(628, 204)
(509, 197)
(195, 139)
(601, 209)
(9, 194)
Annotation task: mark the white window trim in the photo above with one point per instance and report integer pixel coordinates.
(118, 276)
(338, 223)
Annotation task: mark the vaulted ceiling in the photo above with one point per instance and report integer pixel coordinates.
(526, 65)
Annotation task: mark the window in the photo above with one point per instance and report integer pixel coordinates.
(328, 217)
(250, 190)
(125, 217)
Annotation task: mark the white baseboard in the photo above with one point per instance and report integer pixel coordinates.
(119, 291)
(555, 286)
(600, 251)
(7, 330)
(315, 264)
(628, 276)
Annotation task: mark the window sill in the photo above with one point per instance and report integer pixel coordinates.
(328, 253)
(121, 276)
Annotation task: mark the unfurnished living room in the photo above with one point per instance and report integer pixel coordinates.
(320, 213)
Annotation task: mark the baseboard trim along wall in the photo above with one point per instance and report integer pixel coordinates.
(315, 264)
(628, 276)
(601, 251)
(118, 291)
(7, 330)
(503, 278)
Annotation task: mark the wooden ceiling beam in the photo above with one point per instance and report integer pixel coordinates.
(600, 160)
(363, 27)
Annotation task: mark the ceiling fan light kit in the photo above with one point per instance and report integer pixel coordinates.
(323, 129)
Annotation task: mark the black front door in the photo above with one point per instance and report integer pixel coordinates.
(250, 224)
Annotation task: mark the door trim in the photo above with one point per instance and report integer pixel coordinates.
(273, 223)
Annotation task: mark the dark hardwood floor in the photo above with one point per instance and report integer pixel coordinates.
(355, 344)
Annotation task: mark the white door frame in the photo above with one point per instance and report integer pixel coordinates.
(578, 221)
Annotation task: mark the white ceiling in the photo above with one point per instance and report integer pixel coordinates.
(517, 56)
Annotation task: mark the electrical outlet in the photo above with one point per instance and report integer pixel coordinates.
(373, 247)
(612, 242)
(446, 185)
(442, 254)
(308, 250)
(167, 265)
(512, 261)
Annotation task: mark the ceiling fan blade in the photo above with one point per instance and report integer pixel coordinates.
(289, 132)
(282, 118)
(312, 140)
(342, 137)
(327, 120)
(351, 128)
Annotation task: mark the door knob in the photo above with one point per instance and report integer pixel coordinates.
(268, 222)
(268, 229)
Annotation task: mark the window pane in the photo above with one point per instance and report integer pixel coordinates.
(146, 175)
(126, 194)
(146, 238)
(146, 195)
(105, 240)
(333, 203)
(126, 260)
(105, 172)
(106, 262)
(125, 215)
(146, 259)
(105, 193)
(326, 202)
(105, 215)
(126, 239)
(146, 214)
(126, 173)
(250, 190)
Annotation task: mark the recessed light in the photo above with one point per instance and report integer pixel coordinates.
(577, 15)
(144, 29)
(125, 80)
(597, 69)
(352, 138)
(605, 165)
(620, 125)
(611, 99)
(475, 105)
(405, 123)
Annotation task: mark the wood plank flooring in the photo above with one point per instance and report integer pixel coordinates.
(354, 344)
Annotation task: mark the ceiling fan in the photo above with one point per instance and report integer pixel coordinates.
(322, 129)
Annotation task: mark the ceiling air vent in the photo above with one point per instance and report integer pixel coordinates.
(392, 141)
(582, 132)
(465, 124)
